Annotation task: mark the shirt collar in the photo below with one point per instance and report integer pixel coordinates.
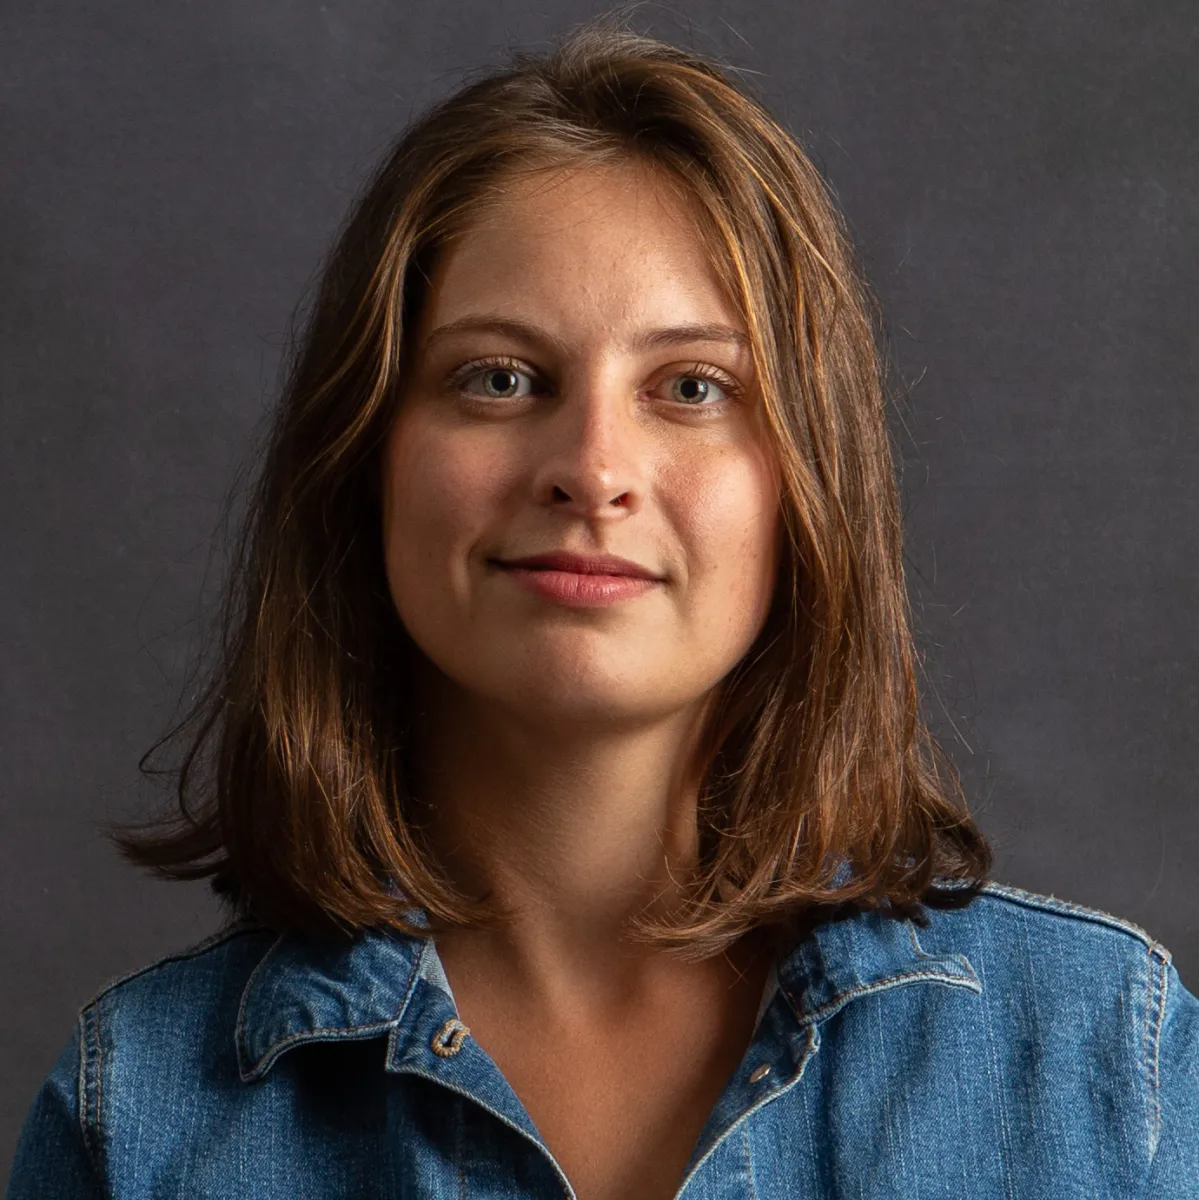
(303, 990)
(867, 952)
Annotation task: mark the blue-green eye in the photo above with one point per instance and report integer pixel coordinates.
(498, 382)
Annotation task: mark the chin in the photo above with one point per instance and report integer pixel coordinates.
(548, 695)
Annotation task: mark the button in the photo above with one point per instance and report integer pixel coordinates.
(760, 1073)
(447, 1041)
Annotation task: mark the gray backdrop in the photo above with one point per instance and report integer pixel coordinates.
(1022, 179)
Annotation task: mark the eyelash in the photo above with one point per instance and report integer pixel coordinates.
(697, 370)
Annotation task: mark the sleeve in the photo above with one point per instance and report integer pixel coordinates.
(53, 1160)
(1174, 1070)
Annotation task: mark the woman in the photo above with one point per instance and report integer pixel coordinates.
(564, 771)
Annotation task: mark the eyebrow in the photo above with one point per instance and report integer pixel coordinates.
(673, 335)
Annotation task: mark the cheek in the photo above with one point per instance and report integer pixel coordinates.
(731, 526)
(434, 495)
(730, 511)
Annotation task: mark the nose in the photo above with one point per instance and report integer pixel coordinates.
(594, 457)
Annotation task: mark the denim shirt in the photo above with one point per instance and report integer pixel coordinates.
(1021, 1047)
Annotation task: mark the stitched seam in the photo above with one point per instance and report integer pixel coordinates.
(412, 980)
(813, 1044)
(1154, 1017)
(916, 941)
(410, 987)
(92, 1071)
(842, 998)
(245, 992)
(209, 943)
(749, 1163)
(250, 1068)
(84, 1087)
(87, 1093)
(451, 1086)
(332, 1033)
(99, 1083)
(1066, 908)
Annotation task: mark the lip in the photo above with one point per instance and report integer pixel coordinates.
(575, 589)
(579, 564)
(579, 580)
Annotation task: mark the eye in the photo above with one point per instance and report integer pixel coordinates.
(496, 380)
(702, 387)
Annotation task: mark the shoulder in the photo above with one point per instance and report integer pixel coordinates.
(1057, 973)
(180, 1008)
(1069, 985)
(1009, 927)
(1020, 942)
(149, 1038)
(1004, 905)
(216, 964)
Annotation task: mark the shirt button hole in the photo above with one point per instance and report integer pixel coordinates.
(760, 1073)
(447, 1041)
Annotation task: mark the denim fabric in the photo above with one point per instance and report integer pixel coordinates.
(1021, 1047)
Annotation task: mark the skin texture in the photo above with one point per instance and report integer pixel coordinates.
(556, 745)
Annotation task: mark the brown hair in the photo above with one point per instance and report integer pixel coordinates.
(292, 788)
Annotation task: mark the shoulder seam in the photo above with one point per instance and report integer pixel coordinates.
(1066, 908)
(89, 1083)
(1155, 1010)
(202, 947)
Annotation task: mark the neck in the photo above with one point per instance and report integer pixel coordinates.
(573, 831)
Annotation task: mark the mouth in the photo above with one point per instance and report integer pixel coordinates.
(609, 565)
(577, 589)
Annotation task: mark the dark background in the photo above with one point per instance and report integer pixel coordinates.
(1022, 180)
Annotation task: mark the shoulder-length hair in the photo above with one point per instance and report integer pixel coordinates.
(822, 789)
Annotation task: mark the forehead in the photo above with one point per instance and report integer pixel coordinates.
(617, 243)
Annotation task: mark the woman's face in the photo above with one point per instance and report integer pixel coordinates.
(580, 383)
